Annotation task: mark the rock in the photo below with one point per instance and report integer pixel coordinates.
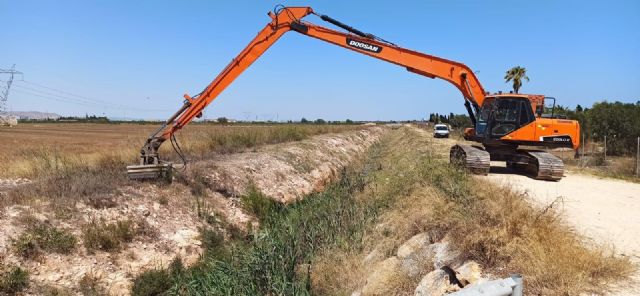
(41, 218)
(469, 273)
(54, 277)
(442, 254)
(417, 252)
(413, 246)
(120, 288)
(185, 237)
(435, 283)
(372, 257)
(382, 275)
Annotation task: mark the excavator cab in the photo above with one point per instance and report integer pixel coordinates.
(502, 115)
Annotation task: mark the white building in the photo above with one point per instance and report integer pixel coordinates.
(8, 120)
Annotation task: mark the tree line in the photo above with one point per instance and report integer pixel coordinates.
(618, 121)
(456, 121)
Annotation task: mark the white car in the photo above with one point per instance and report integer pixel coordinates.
(440, 131)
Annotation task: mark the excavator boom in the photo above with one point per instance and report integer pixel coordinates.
(291, 19)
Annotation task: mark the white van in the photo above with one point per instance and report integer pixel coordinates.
(440, 131)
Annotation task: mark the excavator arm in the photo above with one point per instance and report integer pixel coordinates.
(287, 19)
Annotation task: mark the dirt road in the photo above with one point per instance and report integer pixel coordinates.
(607, 211)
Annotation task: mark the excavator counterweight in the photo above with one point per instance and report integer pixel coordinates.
(502, 123)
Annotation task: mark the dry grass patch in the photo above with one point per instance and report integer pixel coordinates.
(504, 232)
(67, 180)
(89, 286)
(493, 225)
(40, 237)
(111, 236)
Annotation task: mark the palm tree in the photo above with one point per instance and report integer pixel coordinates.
(516, 74)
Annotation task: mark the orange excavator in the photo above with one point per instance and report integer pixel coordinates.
(506, 125)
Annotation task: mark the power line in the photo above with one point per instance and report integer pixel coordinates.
(67, 93)
(55, 99)
(5, 94)
(68, 97)
(73, 96)
(55, 95)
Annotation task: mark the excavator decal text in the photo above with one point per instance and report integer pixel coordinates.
(363, 45)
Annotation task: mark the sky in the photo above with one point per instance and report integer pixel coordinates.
(136, 59)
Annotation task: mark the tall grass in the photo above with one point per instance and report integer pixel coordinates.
(276, 258)
(276, 261)
(64, 179)
(232, 139)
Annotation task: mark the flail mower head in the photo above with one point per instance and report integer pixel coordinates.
(162, 171)
(151, 167)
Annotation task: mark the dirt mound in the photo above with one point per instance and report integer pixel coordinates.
(289, 171)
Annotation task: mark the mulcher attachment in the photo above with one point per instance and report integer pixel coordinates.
(144, 172)
(475, 159)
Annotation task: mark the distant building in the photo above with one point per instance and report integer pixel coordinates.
(8, 120)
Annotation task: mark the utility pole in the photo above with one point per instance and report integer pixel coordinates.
(5, 94)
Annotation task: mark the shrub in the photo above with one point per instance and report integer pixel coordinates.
(89, 286)
(13, 280)
(99, 235)
(43, 237)
(152, 283)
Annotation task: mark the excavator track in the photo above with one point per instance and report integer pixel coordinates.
(545, 166)
(475, 159)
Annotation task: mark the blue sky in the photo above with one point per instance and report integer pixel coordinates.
(146, 54)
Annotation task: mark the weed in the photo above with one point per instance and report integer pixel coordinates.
(213, 242)
(99, 235)
(102, 201)
(89, 286)
(176, 267)
(66, 181)
(48, 290)
(13, 280)
(152, 283)
(43, 237)
(198, 186)
(258, 204)
(163, 200)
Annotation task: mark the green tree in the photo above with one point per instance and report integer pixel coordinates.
(620, 122)
(460, 121)
(223, 120)
(516, 74)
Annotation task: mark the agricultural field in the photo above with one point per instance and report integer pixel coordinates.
(27, 146)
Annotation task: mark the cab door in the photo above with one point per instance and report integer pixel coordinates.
(509, 115)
